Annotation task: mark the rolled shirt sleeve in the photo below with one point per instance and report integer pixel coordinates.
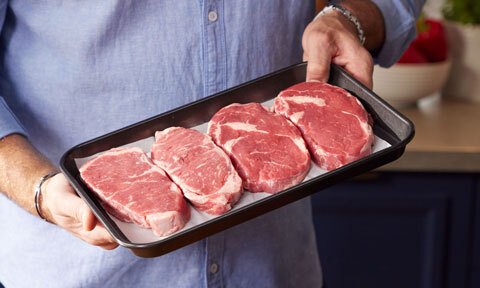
(9, 124)
(399, 17)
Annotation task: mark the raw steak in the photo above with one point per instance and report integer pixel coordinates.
(266, 149)
(134, 190)
(333, 122)
(201, 169)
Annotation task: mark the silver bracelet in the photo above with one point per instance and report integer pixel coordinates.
(348, 15)
(38, 190)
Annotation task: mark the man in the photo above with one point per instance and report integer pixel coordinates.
(73, 70)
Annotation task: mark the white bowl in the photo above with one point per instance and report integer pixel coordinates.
(403, 85)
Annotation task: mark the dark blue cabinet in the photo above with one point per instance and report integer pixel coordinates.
(475, 271)
(397, 230)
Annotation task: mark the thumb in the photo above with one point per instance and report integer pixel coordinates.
(83, 214)
(318, 66)
(318, 71)
(71, 204)
(88, 218)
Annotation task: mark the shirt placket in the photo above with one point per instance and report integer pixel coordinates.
(214, 261)
(215, 72)
(214, 47)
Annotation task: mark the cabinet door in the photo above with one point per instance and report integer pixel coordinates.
(475, 271)
(397, 230)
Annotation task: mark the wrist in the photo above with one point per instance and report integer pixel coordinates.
(371, 20)
(40, 202)
(335, 16)
(348, 20)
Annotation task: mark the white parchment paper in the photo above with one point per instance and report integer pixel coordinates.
(139, 235)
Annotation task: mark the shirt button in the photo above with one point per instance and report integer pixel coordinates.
(212, 16)
(213, 268)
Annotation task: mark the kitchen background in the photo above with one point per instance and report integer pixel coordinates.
(416, 221)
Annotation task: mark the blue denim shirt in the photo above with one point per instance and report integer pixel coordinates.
(74, 70)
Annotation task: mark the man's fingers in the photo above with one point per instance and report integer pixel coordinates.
(71, 204)
(359, 65)
(92, 233)
(320, 53)
(357, 61)
(89, 220)
(99, 237)
(67, 203)
(110, 246)
(71, 213)
(331, 38)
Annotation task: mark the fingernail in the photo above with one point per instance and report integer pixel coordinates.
(313, 80)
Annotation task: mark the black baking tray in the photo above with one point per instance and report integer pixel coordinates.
(389, 125)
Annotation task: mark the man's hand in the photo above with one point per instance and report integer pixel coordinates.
(333, 38)
(61, 206)
(22, 166)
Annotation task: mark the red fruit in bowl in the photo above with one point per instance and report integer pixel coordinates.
(413, 55)
(431, 40)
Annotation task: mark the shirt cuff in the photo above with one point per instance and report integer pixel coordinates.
(9, 124)
(399, 17)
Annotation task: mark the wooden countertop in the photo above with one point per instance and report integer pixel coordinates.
(447, 137)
